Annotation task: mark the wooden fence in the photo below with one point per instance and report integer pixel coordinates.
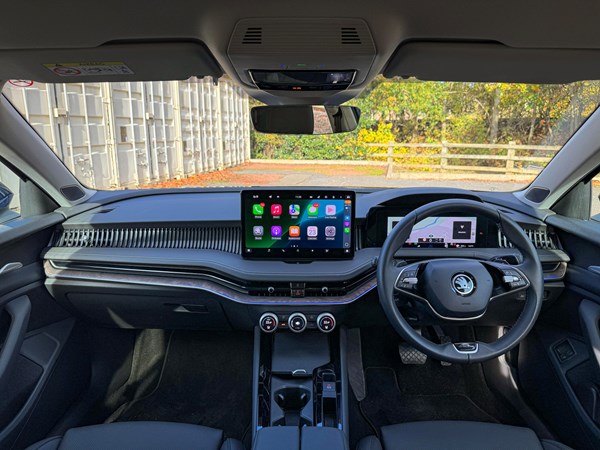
(447, 155)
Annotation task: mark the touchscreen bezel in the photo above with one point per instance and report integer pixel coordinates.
(302, 254)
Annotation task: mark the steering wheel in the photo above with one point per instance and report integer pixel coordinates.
(458, 290)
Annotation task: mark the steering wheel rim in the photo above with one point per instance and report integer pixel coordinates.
(387, 272)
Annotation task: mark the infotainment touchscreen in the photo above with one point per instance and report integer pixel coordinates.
(286, 224)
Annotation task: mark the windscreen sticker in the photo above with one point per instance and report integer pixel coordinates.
(21, 83)
(89, 69)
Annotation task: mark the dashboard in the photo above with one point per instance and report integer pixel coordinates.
(199, 260)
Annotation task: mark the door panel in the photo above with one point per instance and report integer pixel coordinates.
(559, 363)
(34, 332)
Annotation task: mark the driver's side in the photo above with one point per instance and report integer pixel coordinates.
(457, 291)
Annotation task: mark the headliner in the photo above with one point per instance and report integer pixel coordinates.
(540, 24)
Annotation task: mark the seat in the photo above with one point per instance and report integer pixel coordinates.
(456, 435)
(140, 436)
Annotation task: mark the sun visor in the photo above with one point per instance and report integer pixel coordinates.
(492, 62)
(111, 62)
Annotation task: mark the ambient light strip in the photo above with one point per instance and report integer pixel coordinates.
(54, 272)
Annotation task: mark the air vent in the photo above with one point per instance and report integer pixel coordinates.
(253, 35)
(225, 239)
(350, 36)
(541, 239)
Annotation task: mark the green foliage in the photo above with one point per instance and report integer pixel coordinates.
(414, 111)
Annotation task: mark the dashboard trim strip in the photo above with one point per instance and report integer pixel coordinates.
(207, 286)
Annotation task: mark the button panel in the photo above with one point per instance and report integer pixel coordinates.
(407, 280)
(297, 322)
(513, 279)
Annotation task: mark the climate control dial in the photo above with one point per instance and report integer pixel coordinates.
(297, 322)
(326, 322)
(268, 322)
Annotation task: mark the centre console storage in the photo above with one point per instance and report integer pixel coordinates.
(293, 438)
(300, 386)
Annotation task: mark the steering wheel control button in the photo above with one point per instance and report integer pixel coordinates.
(407, 280)
(466, 347)
(326, 322)
(513, 279)
(268, 322)
(297, 322)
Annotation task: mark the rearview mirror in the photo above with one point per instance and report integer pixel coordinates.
(305, 119)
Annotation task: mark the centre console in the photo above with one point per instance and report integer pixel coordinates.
(300, 382)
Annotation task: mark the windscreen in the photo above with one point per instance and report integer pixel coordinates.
(198, 133)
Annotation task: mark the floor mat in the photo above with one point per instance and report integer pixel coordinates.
(404, 393)
(386, 404)
(206, 380)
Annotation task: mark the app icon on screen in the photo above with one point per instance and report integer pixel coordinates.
(347, 230)
(294, 210)
(258, 230)
(276, 231)
(276, 209)
(312, 231)
(347, 223)
(258, 209)
(330, 210)
(313, 209)
(294, 231)
(330, 231)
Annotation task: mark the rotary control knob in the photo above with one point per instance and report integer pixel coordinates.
(268, 322)
(326, 322)
(297, 322)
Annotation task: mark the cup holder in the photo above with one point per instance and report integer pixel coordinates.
(292, 401)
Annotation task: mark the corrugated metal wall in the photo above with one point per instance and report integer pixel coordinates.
(118, 135)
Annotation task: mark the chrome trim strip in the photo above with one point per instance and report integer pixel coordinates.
(206, 286)
(465, 352)
(143, 271)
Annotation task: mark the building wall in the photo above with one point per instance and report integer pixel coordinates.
(130, 134)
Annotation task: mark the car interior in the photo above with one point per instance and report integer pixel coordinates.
(209, 318)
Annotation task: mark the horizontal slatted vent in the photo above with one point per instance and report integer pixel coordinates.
(226, 239)
(350, 36)
(253, 35)
(541, 239)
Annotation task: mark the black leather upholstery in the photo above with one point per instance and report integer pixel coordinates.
(369, 443)
(140, 436)
(292, 438)
(317, 438)
(457, 435)
(277, 438)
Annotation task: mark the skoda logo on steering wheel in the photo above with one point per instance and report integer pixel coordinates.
(463, 284)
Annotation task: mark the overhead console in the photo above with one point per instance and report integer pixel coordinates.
(295, 57)
(302, 80)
